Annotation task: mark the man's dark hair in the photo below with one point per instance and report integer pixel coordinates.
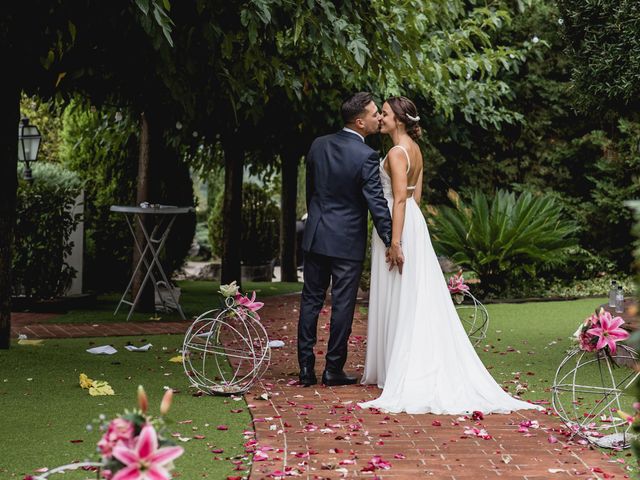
(354, 106)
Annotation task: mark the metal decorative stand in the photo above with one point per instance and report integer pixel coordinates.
(588, 389)
(70, 467)
(474, 317)
(226, 350)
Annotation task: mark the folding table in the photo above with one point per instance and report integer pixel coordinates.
(151, 247)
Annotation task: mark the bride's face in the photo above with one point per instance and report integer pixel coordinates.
(388, 122)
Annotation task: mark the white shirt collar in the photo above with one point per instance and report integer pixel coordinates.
(352, 131)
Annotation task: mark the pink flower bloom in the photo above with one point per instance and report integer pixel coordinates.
(457, 285)
(119, 431)
(586, 342)
(251, 304)
(608, 331)
(145, 461)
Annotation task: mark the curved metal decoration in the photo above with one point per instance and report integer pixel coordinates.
(588, 389)
(474, 318)
(225, 351)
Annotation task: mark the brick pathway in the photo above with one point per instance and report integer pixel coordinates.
(319, 433)
(42, 325)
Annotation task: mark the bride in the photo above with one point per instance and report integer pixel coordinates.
(417, 350)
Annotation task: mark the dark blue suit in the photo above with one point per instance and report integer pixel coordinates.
(343, 185)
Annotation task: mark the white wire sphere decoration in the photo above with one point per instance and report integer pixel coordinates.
(474, 317)
(225, 351)
(588, 389)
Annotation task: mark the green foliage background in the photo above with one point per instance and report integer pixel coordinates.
(45, 219)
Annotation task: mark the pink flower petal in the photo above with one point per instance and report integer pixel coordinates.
(127, 473)
(156, 472)
(165, 455)
(147, 441)
(126, 455)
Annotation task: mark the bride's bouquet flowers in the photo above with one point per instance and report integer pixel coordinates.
(134, 446)
(601, 331)
(233, 298)
(457, 287)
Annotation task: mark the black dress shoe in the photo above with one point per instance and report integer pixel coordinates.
(332, 379)
(307, 377)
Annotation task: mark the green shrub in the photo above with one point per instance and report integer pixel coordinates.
(44, 223)
(104, 153)
(260, 226)
(504, 240)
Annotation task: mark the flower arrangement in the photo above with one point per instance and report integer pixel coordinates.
(233, 298)
(134, 446)
(601, 331)
(457, 287)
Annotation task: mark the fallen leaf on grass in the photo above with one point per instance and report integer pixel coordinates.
(99, 388)
(85, 382)
(33, 343)
(177, 359)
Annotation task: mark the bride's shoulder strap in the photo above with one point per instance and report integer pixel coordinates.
(406, 152)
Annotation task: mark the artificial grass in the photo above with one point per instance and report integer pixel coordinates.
(45, 412)
(197, 296)
(532, 337)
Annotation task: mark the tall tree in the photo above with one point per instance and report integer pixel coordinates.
(36, 36)
(603, 40)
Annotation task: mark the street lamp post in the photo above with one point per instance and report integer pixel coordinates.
(28, 145)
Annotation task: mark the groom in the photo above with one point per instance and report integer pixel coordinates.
(343, 182)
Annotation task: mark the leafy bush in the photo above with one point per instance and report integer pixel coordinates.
(260, 226)
(505, 240)
(44, 223)
(104, 153)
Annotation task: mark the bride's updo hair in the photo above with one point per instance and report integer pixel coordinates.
(403, 108)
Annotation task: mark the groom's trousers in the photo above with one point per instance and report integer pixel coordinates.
(344, 275)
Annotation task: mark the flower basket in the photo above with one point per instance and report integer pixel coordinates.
(473, 314)
(593, 383)
(134, 446)
(226, 350)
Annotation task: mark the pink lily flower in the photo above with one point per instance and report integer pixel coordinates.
(119, 431)
(609, 331)
(145, 461)
(457, 285)
(250, 304)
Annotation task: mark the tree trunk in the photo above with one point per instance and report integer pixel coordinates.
(288, 201)
(232, 209)
(10, 115)
(146, 303)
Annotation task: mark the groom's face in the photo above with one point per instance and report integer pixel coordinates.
(371, 119)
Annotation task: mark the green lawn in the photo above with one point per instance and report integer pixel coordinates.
(196, 297)
(539, 337)
(45, 412)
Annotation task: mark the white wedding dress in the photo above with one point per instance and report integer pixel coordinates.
(417, 349)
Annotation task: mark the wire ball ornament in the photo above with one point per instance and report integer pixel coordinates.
(590, 387)
(226, 350)
(473, 314)
(474, 317)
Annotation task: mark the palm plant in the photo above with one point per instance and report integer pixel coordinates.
(502, 239)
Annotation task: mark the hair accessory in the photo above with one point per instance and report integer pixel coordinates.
(413, 119)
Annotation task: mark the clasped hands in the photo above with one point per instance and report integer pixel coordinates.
(395, 257)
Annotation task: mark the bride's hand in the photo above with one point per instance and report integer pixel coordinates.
(396, 257)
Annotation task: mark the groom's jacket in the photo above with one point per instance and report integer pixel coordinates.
(343, 182)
